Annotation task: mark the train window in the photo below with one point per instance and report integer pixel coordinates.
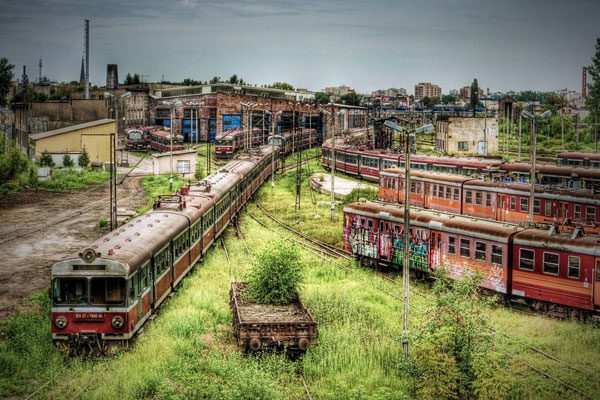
(465, 248)
(456, 194)
(523, 204)
(590, 213)
(526, 259)
(448, 192)
(468, 197)
(536, 206)
(478, 198)
(108, 291)
(69, 291)
(434, 193)
(413, 187)
(370, 223)
(451, 245)
(577, 214)
(513, 203)
(362, 222)
(573, 267)
(488, 199)
(551, 261)
(548, 208)
(480, 251)
(496, 254)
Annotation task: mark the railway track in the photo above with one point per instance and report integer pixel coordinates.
(335, 252)
(293, 165)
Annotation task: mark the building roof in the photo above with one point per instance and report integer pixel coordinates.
(71, 128)
(176, 152)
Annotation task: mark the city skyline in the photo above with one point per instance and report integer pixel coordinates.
(533, 45)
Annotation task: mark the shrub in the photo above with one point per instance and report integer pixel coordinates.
(276, 274)
(102, 222)
(357, 193)
(84, 159)
(46, 160)
(67, 161)
(199, 175)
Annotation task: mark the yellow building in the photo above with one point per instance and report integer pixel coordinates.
(93, 136)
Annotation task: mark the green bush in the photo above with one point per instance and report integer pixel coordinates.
(102, 222)
(358, 193)
(200, 174)
(84, 159)
(46, 160)
(276, 274)
(67, 161)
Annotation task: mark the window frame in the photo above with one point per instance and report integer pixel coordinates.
(494, 254)
(532, 269)
(557, 263)
(478, 252)
(461, 248)
(451, 245)
(569, 267)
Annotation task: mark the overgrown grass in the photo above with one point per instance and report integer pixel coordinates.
(156, 185)
(189, 351)
(71, 179)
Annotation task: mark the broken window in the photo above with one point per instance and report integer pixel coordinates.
(69, 291)
(108, 291)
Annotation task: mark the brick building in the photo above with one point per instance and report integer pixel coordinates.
(426, 89)
(465, 93)
(467, 136)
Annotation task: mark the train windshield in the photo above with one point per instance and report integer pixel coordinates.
(135, 135)
(69, 291)
(107, 291)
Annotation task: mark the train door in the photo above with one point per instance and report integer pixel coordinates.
(426, 193)
(500, 207)
(140, 303)
(596, 283)
(436, 245)
(152, 282)
(563, 210)
(172, 265)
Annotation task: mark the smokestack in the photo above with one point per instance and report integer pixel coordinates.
(40, 71)
(584, 83)
(112, 76)
(87, 59)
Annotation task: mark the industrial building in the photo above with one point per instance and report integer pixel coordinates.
(93, 136)
(467, 136)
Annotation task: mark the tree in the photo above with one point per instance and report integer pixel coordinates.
(215, 79)
(592, 100)
(429, 102)
(474, 95)
(322, 98)
(67, 161)
(128, 79)
(6, 77)
(191, 82)
(350, 99)
(46, 160)
(282, 86)
(234, 79)
(449, 99)
(136, 79)
(555, 101)
(84, 159)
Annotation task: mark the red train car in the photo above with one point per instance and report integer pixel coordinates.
(230, 142)
(295, 138)
(368, 164)
(500, 201)
(160, 140)
(551, 271)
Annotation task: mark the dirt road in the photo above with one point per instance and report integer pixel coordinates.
(40, 228)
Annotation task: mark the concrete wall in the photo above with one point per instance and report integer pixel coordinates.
(60, 114)
(468, 131)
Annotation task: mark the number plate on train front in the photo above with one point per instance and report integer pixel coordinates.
(89, 317)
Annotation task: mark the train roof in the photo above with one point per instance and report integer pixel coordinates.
(436, 177)
(131, 244)
(235, 132)
(571, 241)
(554, 170)
(452, 223)
(579, 155)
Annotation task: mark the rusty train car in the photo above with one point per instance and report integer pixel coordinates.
(500, 201)
(160, 140)
(368, 164)
(230, 142)
(578, 158)
(102, 296)
(295, 138)
(551, 271)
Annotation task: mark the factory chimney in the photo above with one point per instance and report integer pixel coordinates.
(40, 64)
(112, 76)
(87, 59)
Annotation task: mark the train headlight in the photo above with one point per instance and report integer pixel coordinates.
(60, 322)
(117, 322)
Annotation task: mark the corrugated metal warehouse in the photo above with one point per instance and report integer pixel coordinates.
(93, 136)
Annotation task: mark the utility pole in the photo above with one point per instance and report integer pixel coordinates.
(520, 118)
(111, 145)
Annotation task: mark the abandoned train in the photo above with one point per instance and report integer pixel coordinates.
(551, 271)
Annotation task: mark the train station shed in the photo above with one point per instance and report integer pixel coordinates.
(94, 136)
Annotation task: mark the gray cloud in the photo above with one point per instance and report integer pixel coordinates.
(507, 45)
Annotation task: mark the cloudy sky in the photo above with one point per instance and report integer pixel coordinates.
(506, 44)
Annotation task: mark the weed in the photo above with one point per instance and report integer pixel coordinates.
(102, 223)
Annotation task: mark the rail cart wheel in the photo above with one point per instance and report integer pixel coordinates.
(255, 344)
(303, 344)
